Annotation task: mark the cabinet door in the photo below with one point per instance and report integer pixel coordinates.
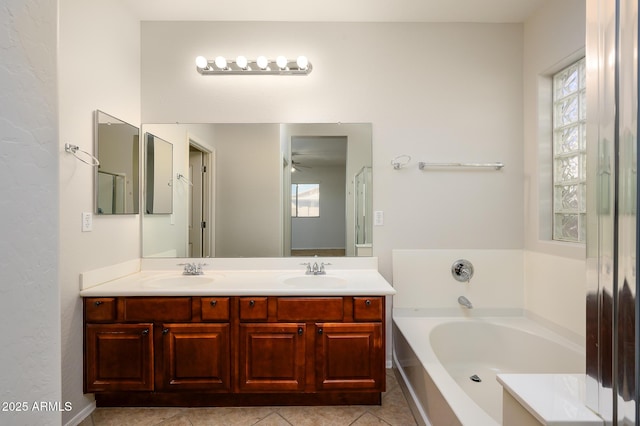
(272, 357)
(350, 356)
(118, 357)
(196, 356)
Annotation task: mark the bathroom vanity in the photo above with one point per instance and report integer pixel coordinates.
(242, 338)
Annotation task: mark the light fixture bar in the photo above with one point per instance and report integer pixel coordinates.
(260, 66)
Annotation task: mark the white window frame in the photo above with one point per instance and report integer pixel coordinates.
(569, 159)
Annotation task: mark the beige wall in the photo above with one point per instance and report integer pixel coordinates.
(555, 273)
(29, 306)
(98, 62)
(458, 99)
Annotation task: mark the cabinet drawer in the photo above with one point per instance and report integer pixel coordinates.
(310, 309)
(157, 309)
(253, 309)
(368, 308)
(215, 308)
(100, 309)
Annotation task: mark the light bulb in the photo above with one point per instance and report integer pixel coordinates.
(221, 62)
(282, 62)
(242, 62)
(302, 62)
(201, 62)
(262, 62)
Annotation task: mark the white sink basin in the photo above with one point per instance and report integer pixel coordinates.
(315, 281)
(180, 281)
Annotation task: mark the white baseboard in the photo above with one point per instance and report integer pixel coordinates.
(83, 414)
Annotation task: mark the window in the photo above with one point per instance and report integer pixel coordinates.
(569, 154)
(305, 200)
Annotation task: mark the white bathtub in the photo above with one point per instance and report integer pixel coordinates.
(436, 356)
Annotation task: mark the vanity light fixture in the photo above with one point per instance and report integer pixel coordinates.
(261, 66)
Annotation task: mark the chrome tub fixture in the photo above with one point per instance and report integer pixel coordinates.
(462, 270)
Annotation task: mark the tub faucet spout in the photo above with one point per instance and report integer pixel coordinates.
(465, 302)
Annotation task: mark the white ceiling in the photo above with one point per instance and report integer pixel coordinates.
(336, 10)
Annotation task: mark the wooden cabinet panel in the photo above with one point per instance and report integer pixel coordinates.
(157, 309)
(214, 308)
(310, 309)
(350, 356)
(210, 350)
(196, 356)
(368, 308)
(272, 357)
(254, 308)
(99, 309)
(119, 357)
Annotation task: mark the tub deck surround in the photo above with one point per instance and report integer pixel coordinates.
(436, 356)
(551, 399)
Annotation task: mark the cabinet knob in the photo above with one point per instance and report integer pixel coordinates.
(165, 331)
(320, 331)
(214, 302)
(367, 302)
(98, 302)
(252, 303)
(300, 331)
(145, 331)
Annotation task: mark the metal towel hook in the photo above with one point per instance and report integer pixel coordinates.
(73, 149)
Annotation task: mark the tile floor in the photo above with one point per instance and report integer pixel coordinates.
(393, 411)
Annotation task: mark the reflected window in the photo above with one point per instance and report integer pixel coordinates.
(569, 153)
(305, 200)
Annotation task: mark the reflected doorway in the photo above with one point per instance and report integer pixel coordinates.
(318, 195)
(200, 223)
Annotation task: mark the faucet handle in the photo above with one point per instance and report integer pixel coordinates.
(308, 265)
(322, 265)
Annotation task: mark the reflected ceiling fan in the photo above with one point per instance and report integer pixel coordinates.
(297, 166)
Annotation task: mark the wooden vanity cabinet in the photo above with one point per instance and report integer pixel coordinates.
(225, 351)
(156, 344)
(336, 344)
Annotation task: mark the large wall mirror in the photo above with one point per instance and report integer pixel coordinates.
(117, 179)
(263, 190)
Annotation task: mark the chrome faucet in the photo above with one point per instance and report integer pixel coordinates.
(465, 302)
(314, 268)
(192, 268)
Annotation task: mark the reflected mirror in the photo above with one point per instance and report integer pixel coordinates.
(117, 176)
(158, 173)
(262, 190)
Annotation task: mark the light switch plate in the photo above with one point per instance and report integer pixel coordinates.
(87, 221)
(378, 218)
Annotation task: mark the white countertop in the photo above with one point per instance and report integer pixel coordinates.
(553, 399)
(268, 282)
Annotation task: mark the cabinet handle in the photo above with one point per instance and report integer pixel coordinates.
(145, 331)
(214, 302)
(252, 303)
(367, 302)
(320, 331)
(165, 331)
(300, 331)
(98, 302)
